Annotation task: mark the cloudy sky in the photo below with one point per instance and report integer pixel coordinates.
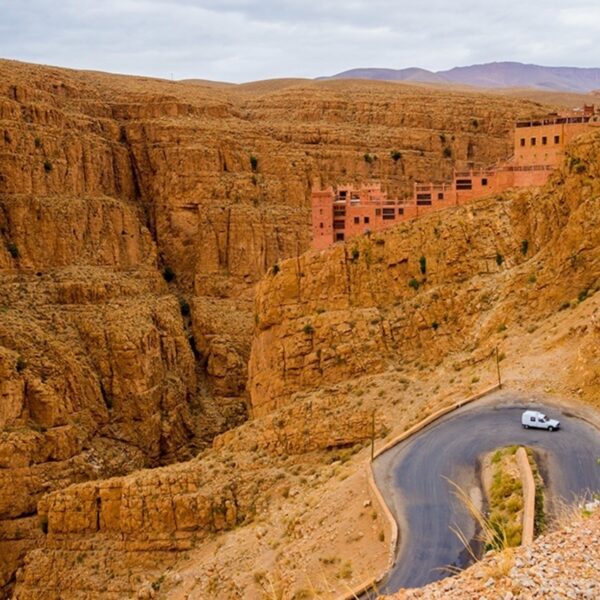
(245, 40)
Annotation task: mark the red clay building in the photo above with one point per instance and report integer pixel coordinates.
(539, 145)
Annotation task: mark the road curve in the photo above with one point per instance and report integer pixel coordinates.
(412, 477)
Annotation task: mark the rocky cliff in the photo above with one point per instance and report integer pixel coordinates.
(136, 217)
(440, 285)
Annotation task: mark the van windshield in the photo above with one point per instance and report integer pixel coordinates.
(543, 418)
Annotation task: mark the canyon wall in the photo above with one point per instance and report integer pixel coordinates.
(438, 285)
(137, 216)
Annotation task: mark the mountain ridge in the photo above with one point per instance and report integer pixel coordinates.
(501, 74)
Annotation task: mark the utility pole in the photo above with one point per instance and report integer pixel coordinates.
(498, 367)
(373, 435)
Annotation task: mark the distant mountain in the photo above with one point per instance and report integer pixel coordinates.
(491, 75)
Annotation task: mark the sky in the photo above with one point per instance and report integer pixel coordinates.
(247, 40)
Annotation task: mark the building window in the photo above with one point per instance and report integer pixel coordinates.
(339, 224)
(377, 212)
(522, 141)
(484, 181)
(544, 140)
(464, 184)
(356, 220)
(557, 139)
(367, 220)
(533, 141)
(339, 237)
(440, 195)
(388, 214)
(400, 211)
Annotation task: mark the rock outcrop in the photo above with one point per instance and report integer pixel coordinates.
(441, 284)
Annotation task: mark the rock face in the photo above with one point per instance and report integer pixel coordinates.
(427, 288)
(136, 217)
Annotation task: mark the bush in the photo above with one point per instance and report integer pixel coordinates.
(414, 284)
(583, 294)
(184, 306)
(499, 259)
(20, 365)
(524, 247)
(447, 152)
(474, 123)
(355, 253)
(253, 162)
(396, 156)
(13, 250)
(368, 158)
(37, 142)
(168, 274)
(308, 329)
(275, 269)
(47, 166)
(435, 325)
(423, 265)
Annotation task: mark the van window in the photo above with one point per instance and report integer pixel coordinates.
(532, 419)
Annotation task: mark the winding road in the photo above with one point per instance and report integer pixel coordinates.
(413, 477)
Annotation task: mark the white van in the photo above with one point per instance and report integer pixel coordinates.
(533, 418)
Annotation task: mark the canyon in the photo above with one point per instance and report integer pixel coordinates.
(186, 390)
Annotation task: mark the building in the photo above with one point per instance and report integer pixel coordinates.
(539, 146)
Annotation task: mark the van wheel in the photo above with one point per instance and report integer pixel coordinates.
(550, 428)
(525, 426)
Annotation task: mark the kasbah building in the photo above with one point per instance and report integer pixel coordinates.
(539, 145)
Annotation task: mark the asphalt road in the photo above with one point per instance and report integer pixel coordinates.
(412, 477)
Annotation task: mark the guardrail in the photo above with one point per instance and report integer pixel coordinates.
(373, 581)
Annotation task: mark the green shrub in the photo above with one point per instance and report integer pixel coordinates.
(20, 364)
(47, 166)
(253, 162)
(396, 156)
(499, 259)
(355, 253)
(37, 142)
(369, 158)
(524, 247)
(414, 284)
(13, 250)
(184, 306)
(423, 265)
(435, 325)
(583, 294)
(168, 274)
(308, 329)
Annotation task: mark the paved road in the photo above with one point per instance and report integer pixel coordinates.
(412, 478)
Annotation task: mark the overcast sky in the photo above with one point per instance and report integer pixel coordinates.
(245, 40)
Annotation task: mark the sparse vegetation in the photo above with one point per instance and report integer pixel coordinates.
(524, 247)
(447, 152)
(184, 307)
(368, 158)
(423, 265)
(499, 259)
(48, 166)
(13, 250)
(253, 162)
(20, 364)
(308, 329)
(37, 142)
(396, 155)
(168, 274)
(355, 253)
(435, 325)
(414, 284)
(275, 269)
